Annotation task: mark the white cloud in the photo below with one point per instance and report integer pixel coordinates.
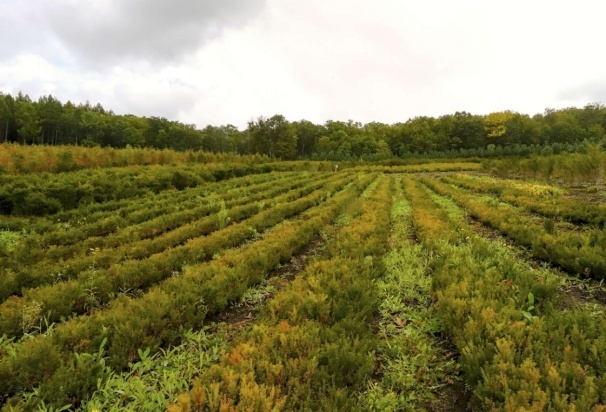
(30, 72)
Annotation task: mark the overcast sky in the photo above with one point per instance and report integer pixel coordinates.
(230, 61)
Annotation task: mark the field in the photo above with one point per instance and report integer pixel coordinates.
(244, 284)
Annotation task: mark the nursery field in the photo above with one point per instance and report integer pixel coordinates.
(267, 286)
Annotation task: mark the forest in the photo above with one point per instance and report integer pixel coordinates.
(48, 121)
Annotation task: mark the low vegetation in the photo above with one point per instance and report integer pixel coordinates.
(168, 285)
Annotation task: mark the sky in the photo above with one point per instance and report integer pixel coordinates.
(230, 61)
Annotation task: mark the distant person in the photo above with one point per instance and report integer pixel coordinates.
(335, 168)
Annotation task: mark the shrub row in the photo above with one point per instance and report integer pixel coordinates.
(103, 218)
(544, 200)
(54, 364)
(42, 194)
(429, 224)
(165, 252)
(85, 224)
(234, 210)
(174, 215)
(579, 253)
(498, 186)
(573, 168)
(16, 158)
(18, 224)
(418, 168)
(311, 348)
(99, 218)
(15, 280)
(519, 349)
(30, 248)
(94, 288)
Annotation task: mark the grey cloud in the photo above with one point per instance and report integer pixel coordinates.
(19, 30)
(594, 91)
(103, 33)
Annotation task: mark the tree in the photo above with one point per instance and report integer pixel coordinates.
(126, 130)
(223, 139)
(5, 115)
(521, 129)
(49, 112)
(156, 132)
(27, 119)
(307, 137)
(324, 145)
(184, 136)
(235, 140)
(134, 132)
(470, 130)
(69, 124)
(383, 148)
(94, 128)
(275, 137)
(496, 122)
(564, 127)
(593, 114)
(421, 136)
(286, 140)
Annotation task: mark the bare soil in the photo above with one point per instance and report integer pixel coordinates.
(455, 397)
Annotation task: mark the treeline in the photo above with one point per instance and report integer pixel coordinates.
(51, 122)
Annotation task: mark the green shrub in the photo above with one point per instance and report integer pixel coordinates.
(38, 205)
(65, 162)
(6, 205)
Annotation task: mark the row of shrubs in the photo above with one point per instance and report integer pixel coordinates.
(43, 194)
(56, 364)
(169, 229)
(282, 168)
(97, 211)
(520, 349)
(86, 223)
(311, 348)
(544, 200)
(573, 168)
(580, 253)
(169, 249)
(20, 263)
(21, 159)
(92, 213)
(419, 168)
(95, 287)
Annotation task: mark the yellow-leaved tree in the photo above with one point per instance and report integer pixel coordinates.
(496, 123)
